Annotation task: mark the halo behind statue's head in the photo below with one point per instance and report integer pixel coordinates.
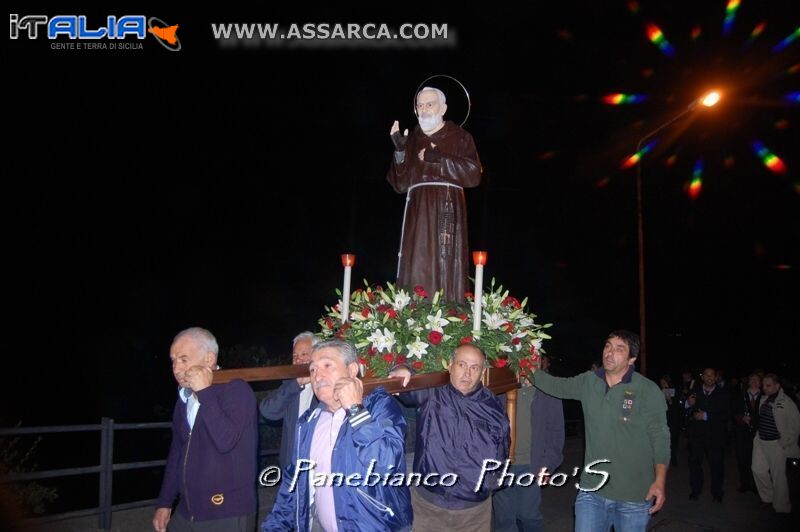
(426, 83)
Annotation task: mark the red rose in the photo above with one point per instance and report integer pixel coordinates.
(468, 295)
(365, 312)
(400, 359)
(420, 291)
(362, 361)
(359, 290)
(515, 340)
(371, 296)
(535, 358)
(510, 301)
(463, 318)
(533, 349)
(371, 351)
(435, 337)
(508, 327)
(328, 323)
(392, 313)
(466, 340)
(388, 357)
(418, 364)
(451, 312)
(524, 363)
(500, 363)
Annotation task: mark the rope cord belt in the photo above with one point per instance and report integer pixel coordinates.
(405, 212)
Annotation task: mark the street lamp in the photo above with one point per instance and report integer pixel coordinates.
(707, 100)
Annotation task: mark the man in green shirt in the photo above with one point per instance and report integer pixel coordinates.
(626, 437)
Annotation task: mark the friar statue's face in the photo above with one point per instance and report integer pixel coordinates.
(430, 111)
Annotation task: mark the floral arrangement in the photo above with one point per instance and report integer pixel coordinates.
(390, 326)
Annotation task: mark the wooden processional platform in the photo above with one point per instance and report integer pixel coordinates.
(498, 380)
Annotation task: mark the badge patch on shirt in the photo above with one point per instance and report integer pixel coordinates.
(217, 499)
(627, 405)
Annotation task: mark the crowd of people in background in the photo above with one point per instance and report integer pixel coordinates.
(755, 414)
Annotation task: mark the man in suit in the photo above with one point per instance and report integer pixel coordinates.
(706, 429)
(292, 398)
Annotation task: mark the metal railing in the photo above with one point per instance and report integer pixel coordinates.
(106, 468)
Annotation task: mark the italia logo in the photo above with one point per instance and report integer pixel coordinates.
(77, 27)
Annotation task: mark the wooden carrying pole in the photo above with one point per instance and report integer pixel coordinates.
(498, 380)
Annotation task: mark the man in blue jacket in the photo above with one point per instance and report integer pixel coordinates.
(459, 426)
(292, 398)
(346, 449)
(211, 467)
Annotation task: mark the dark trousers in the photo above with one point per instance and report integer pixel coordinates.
(674, 444)
(516, 508)
(245, 523)
(744, 458)
(714, 452)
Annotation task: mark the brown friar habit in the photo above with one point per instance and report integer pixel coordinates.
(434, 246)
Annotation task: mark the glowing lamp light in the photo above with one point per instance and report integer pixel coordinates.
(711, 99)
(479, 257)
(348, 260)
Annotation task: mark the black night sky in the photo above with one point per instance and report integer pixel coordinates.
(146, 191)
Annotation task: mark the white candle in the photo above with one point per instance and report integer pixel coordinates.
(348, 261)
(479, 258)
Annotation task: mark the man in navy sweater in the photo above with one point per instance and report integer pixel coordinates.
(211, 467)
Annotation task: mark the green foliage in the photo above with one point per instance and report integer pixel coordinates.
(30, 497)
(392, 326)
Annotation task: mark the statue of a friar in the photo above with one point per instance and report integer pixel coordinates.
(432, 166)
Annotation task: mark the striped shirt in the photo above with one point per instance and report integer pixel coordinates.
(767, 430)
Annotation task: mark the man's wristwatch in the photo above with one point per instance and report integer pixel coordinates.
(354, 409)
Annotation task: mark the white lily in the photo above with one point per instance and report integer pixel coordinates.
(417, 348)
(493, 321)
(401, 300)
(436, 322)
(382, 340)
